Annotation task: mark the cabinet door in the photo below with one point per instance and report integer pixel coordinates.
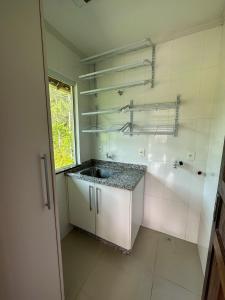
(81, 204)
(113, 211)
(29, 256)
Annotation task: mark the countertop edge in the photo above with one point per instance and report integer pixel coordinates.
(95, 180)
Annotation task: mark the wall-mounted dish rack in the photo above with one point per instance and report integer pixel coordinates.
(92, 60)
(130, 128)
(114, 128)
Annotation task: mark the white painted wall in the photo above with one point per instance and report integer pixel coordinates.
(63, 61)
(188, 66)
(62, 198)
(214, 160)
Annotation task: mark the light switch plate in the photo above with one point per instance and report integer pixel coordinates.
(141, 152)
(191, 156)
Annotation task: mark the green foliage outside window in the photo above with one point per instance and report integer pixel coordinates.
(61, 103)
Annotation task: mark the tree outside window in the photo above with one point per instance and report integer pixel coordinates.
(62, 116)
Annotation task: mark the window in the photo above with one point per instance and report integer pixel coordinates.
(62, 116)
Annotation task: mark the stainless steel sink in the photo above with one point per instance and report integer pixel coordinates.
(98, 172)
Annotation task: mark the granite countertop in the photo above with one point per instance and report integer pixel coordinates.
(124, 176)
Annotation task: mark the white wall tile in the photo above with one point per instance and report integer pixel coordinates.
(215, 94)
(192, 228)
(184, 66)
(203, 241)
(175, 218)
(187, 52)
(154, 212)
(154, 180)
(212, 47)
(64, 61)
(62, 200)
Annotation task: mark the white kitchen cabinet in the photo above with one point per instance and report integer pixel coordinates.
(116, 214)
(81, 204)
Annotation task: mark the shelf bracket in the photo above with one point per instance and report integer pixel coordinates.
(95, 80)
(176, 124)
(153, 66)
(131, 117)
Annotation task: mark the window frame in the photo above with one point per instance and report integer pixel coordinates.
(73, 85)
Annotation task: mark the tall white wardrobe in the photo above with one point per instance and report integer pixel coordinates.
(30, 266)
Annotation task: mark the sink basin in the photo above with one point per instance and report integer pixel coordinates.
(97, 172)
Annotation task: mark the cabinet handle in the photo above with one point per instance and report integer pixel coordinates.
(97, 204)
(90, 197)
(45, 180)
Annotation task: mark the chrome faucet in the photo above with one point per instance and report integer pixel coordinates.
(109, 156)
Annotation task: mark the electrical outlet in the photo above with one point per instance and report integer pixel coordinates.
(141, 152)
(191, 156)
(100, 148)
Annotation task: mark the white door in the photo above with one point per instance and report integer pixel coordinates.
(29, 252)
(81, 204)
(113, 213)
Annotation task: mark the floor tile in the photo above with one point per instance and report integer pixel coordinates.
(109, 282)
(77, 239)
(145, 247)
(83, 296)
(80, 254)
(159, 265)
(166, 290)
(178, 261)
(142, 257)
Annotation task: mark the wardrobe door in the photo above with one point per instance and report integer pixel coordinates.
(29, 252)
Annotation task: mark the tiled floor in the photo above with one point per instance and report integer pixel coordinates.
(159, 268)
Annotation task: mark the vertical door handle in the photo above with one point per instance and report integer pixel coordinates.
(45, 180)
(97, 202)
(90, 197)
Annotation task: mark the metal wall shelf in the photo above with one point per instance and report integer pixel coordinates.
(107, 111)
(92, 60)
(100, 73)
(96, 129)
(137, 108)
(132, 129)
(116, 87)
(154, 106)
(117, 51)
(151, 130)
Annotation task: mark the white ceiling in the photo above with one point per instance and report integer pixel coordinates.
(104, 24)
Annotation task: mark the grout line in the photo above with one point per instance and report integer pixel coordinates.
(180, 286)
(100, 254)
(164, 278)
(90, 273)
(154, 265)
(96, 260)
